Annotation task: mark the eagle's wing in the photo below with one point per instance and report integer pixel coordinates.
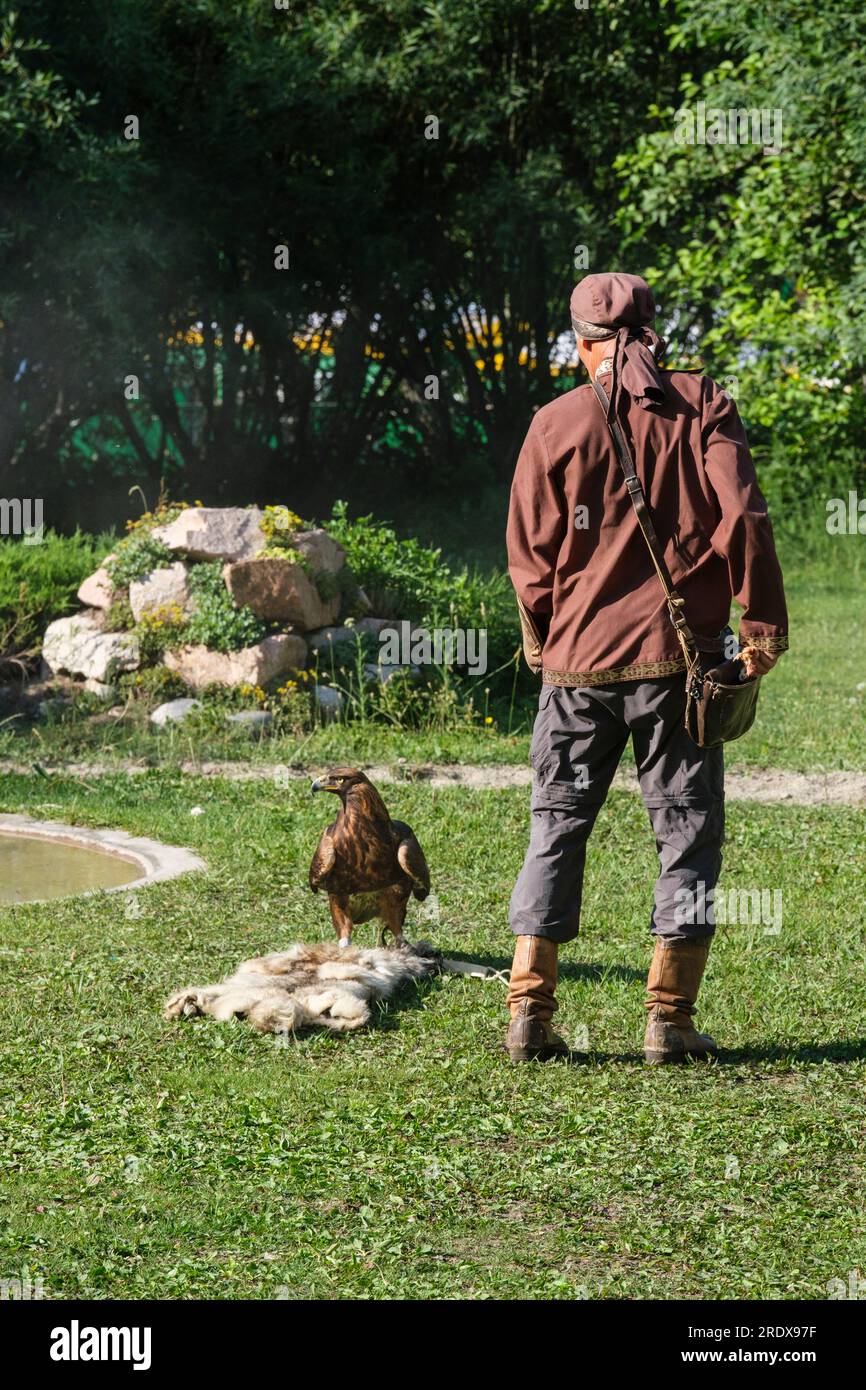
(323, 861)
(410, 857)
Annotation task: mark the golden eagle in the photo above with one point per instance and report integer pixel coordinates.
(368, 864)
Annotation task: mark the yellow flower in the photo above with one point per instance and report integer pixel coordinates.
(489, 719)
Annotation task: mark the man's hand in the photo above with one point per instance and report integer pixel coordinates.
(757, 663)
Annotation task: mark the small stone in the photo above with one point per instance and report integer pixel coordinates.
(101, 690)
(215, 533)
(162, 588)
(329, 702)
(174, 711)
(254, 722)
(97, 590)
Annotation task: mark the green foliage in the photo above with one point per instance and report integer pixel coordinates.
(38, 583)
(159, 630)
(135, 556)
(152, 685)
(449, 259)
(218, 622)
(119, 616)
(405, 579)
(759, 260)
(278, 526)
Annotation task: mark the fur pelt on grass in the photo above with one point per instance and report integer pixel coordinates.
(309, 986)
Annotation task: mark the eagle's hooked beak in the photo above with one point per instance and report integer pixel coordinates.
(323, 784)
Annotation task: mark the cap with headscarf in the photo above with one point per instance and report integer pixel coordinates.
(622, 306)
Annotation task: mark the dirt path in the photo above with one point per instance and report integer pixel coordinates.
(743, 784)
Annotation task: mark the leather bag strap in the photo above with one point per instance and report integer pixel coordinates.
(638, 500)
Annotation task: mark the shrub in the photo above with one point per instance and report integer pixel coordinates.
(38, 583)
(135, 556)
(152, 684)
(401, 577)
(278, 526)
(119, 618)
(158, 630)
(406, 579)
(218, 622)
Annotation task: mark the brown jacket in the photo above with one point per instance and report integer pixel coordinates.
(584, 579)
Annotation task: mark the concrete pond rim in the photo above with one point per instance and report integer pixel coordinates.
(158, 862)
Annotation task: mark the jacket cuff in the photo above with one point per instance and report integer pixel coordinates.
(764, 643)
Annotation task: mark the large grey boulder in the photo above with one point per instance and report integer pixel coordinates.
(325, 639)
(258, 665)
(77, 646)
(371, 627)
(162, 588)
(280, 591)
(174, 711)
(214, 533)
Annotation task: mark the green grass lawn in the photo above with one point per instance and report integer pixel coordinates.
(199, 1159)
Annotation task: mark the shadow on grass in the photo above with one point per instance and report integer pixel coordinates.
(568, 970)
(385, 1014)
(837, 1053)
(845, 1050)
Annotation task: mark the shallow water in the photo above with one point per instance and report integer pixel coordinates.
(33, 869)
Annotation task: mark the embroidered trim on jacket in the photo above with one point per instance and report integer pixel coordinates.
(766, 644)
(640, 671)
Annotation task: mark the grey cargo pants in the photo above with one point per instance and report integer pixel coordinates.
(579, 737)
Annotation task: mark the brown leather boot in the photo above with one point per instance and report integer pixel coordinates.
(674, 980)
(532, 1003)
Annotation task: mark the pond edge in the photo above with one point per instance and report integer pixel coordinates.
(157, 861)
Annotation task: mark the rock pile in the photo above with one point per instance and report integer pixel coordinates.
(297, 590)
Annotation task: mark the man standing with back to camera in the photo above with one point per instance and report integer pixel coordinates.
(596, 626)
